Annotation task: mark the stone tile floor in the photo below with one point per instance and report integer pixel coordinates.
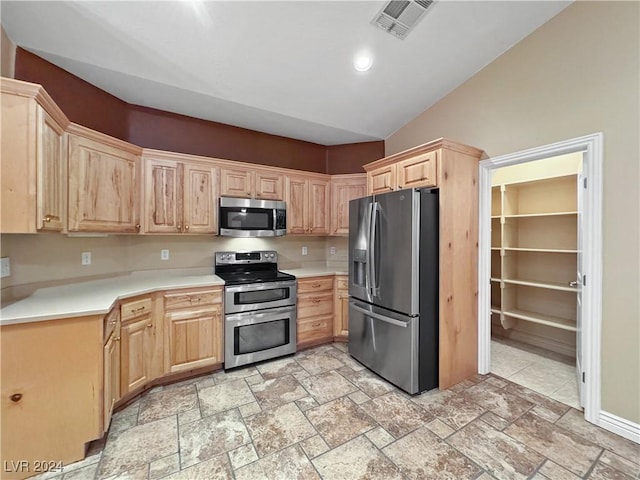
(321, 415)
(544, 372)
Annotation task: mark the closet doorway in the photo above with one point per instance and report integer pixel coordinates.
(540, 270)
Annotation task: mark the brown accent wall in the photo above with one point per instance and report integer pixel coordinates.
(350, 157)
(151, 128)
(82, 102)
(92, 107)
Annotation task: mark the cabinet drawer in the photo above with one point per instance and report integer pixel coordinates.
(342, 283)
(314, 329)
(192, 299)
(136, 308)
(312, 304)
(318, 284)
(110, 322)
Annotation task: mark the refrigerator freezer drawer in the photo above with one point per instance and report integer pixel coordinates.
(386, 342)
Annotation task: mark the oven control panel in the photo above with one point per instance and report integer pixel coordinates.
(260, 256)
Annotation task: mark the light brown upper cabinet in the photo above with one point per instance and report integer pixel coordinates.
(33, 159)
(179, 196)
(308, 204)
(345, 188)
(251, 183)
(103, 183)
(412, 171)
(382, 179)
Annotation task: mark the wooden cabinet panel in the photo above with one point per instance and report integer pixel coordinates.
(315, 330)
(315, 284)
(200, 198)
(236, 183)
(342, 192)
(315, 311)
(269, 186)
(418, 171)
(382, 180)
(192, 299)
(194, 338)
(315, 304)
(111, 376)
(103, 187)
(297, 205)
(341, 307)
(136, 340)
(135, 308)
(51, 390)
(319, 205)
(163, 196)
(308, 205)
(49, 192)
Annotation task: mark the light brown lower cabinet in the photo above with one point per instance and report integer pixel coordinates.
(51, 392)
(111, 355)
(341, 307)
(193, 329)
(315, 311)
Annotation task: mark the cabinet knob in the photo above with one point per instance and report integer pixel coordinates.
(179, 227)
(48, 218)
(316, 324)
(315, 300)
(311, 229)
(117, 339)
(136, 310)
(257, 194)
(315, 285)
(113, 322)
(186, 227)
(149, 325)
(137, 226)
(16, 397)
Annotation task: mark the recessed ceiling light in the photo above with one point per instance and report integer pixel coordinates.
(362, 62)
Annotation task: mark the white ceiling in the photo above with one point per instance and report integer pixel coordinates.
(278, 67)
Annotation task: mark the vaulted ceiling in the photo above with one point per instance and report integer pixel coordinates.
(284, 68)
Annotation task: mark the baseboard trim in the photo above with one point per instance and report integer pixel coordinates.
(620, 426)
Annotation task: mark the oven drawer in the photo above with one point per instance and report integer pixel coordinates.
(319, 284)
(192, 298)
(315, 304)
(135, 308)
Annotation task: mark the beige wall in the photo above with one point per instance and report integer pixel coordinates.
(7, 55)
(51, 257)
(577, 74)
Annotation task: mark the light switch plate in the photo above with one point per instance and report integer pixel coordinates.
(304, 250)
(86, 258)
(164, 254)
(332, 250)
(5, 267)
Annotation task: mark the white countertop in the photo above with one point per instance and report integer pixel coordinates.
(96, 297)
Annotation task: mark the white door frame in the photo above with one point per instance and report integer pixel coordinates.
(592, 148)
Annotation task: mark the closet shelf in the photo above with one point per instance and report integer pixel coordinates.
(544, 250)
(534, 317)
(549, 214)
(538, 284)
(495, 309)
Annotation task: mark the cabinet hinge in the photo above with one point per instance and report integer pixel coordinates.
(584, 180)
(584, 280)
(583, 377)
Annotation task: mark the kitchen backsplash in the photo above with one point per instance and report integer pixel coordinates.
(53, 257)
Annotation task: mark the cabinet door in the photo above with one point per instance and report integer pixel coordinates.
(103, 187)
(236, 183)
(194, 338)
(200, 185)
(419, 171)
(269, 186)
(49, 191)
(297, 205)
(381, 180)
(136, 353)
(111, 376)
(341, 195)
(319, 205)
(163, 196)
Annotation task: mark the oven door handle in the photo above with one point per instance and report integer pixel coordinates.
(252, 287)
(258, 315)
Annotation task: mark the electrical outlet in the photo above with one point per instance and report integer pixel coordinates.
(5, 267)
(304, 250)
(86, 258)
(332, 250)
(164, 254)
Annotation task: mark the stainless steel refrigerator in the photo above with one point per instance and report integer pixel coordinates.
(393, 286)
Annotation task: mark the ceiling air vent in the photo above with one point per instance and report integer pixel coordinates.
(398, 17)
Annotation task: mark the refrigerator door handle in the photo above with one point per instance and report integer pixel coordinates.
(372, 248)
(382, 318)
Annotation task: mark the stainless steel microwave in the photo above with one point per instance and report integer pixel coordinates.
(247, 217)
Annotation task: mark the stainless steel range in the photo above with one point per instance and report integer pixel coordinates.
(259, 307)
